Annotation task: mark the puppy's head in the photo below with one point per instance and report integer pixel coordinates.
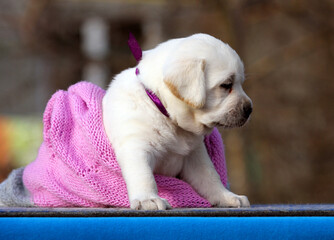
(207, 75)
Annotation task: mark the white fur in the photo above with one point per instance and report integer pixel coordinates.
(186, 75)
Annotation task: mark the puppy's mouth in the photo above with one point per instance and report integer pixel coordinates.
(232, 121)
(231, 125)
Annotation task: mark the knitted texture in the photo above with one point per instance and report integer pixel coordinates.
(76, 165)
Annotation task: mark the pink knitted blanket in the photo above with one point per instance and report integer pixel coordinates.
(76, 165)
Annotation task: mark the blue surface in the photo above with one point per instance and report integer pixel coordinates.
(167, 228)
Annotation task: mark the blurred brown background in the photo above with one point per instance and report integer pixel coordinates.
(286, 152)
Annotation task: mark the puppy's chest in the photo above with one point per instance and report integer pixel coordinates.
(172, 150)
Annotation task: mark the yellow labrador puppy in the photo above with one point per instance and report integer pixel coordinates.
(198, 80)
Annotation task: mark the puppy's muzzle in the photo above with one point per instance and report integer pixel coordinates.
(238, 116)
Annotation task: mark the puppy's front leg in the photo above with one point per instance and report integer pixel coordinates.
(137, 171)
(200, 173)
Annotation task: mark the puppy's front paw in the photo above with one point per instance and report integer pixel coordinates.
(233, 201)
(154, 203)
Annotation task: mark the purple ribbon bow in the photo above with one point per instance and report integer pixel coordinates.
(135, 48)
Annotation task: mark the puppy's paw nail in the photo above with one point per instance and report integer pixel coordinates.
(155, 203)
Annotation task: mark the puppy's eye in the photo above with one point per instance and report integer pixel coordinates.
(226, 86)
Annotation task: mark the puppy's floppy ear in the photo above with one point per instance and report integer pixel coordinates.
(186, 80)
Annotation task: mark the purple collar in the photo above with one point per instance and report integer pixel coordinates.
(137, 53)
(157, 102)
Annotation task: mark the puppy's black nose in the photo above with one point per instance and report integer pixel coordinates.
(247, 109)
